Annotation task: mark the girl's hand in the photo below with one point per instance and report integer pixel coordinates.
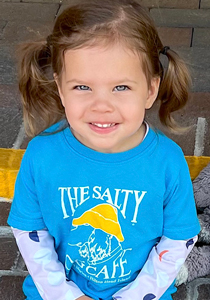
(84, 298)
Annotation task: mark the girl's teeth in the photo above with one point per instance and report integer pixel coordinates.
(103, 125)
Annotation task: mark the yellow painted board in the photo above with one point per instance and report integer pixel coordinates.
(10, 160)
(196, 164)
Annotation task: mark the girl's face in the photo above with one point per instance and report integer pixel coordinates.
(105, 94)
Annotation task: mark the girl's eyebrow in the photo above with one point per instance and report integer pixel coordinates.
(74, 80)
(127, 80)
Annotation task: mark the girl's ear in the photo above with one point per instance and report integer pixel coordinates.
(58, 83)
(153, 92)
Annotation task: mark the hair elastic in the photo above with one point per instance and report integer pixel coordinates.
(165, 50)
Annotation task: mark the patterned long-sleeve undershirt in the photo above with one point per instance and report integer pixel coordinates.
(48, 273)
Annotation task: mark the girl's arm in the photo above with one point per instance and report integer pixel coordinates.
(159, 271)
(37, 249)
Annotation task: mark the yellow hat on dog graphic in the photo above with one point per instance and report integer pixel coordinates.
(104, 217)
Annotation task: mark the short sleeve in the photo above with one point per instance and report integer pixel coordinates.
(180, 216)
(25, 213)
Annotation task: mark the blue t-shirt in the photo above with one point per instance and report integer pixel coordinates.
(105, 211)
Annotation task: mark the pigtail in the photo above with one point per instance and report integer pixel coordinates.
(174, 88)
(41, 102)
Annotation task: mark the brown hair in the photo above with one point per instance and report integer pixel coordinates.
(86, 24)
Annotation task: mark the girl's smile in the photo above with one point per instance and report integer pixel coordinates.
(105, 94)
(103, 128)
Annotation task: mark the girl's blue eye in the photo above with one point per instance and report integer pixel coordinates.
(81, 87)
(121, 88)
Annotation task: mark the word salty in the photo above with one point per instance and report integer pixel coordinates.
(72, 197)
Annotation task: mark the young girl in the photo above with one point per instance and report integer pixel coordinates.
(103, 205)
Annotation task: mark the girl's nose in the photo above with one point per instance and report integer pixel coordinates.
(102, 103)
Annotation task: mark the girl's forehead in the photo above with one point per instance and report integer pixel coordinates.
(112, 51)
(114, 55)
(102, 64)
